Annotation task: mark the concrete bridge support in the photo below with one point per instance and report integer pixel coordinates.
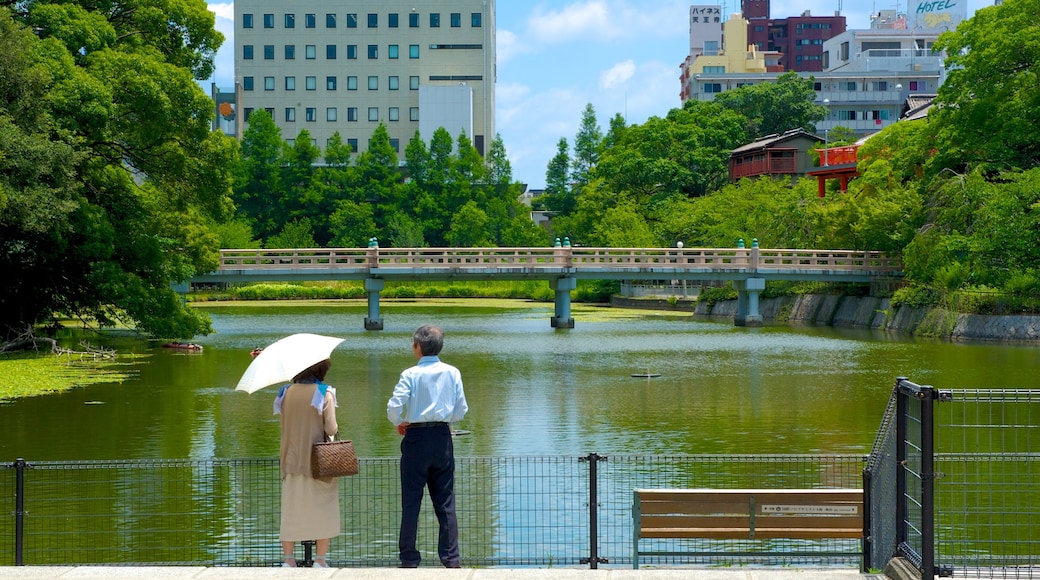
(563, 287)
(748, 313)
(373, 321)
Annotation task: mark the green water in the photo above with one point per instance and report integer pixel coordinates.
(532, 390)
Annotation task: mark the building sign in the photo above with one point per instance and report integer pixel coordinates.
(705, 27)
(936, 14)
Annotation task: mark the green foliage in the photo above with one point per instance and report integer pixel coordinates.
(914, 296)
(773, 108)
(987, 113)
(110, 171)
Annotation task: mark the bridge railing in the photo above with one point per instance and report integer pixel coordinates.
(745, 259)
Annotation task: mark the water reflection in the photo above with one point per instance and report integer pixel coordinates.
(533, 390)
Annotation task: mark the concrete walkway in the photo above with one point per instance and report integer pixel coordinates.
(203, 573)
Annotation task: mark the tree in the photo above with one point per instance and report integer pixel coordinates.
(125, 153)
(559, 197)
(259, 184)
(587, 145)
(776, 107)
(989, 105)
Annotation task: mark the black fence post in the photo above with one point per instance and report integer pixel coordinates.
(927, 482)
(19, 511)
(593, 560)
(901, 454)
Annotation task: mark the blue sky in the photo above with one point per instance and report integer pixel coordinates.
(555, 57)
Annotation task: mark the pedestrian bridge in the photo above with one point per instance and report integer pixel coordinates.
(561, 266)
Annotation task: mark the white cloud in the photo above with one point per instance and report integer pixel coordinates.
(224, 11)
(617, 75)
(604, 21)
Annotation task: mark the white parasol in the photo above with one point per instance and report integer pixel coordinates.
(285, 359)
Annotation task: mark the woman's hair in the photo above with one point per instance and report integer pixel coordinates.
(430, 340)
(314, 373)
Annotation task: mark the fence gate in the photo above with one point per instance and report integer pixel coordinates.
(967, 481)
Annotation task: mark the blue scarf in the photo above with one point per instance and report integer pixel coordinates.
(316, 401)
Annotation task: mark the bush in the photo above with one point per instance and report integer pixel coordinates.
(915, 297)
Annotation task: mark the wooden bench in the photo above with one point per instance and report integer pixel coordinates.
(745, 514)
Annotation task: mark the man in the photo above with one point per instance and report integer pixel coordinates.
(426, 400)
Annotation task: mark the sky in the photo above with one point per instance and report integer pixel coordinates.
(554, 58)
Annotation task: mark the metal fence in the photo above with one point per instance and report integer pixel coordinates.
(513, 511)
(967, 481)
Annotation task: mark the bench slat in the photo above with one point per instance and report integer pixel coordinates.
(760, 534)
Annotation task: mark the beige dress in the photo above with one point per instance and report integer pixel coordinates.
(310, 507)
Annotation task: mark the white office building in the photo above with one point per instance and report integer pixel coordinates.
(349, 66)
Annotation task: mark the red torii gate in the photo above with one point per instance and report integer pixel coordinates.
(835, 163)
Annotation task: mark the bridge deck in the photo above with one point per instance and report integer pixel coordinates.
(551, 264)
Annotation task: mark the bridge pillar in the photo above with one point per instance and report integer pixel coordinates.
(749, 315)
(373, 321)
(563, 287)
(747, 302)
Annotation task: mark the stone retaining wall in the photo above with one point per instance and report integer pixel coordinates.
(877, 313)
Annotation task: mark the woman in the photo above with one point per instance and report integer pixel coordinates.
(310, 507)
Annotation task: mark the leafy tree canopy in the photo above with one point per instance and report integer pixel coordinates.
(775, 107)
(109, 167)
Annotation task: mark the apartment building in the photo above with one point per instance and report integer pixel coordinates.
(799, 39)
(353, 65)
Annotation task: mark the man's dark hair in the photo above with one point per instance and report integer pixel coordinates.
(430, 340)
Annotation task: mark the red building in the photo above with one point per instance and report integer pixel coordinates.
(799, 38)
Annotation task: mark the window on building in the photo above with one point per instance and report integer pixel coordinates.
(475, 20)
(290, 83)
(456, 20)
(394, 114)
(373, 51)
(352, 114)
(310, 52)
(311, 114)
(846, 115)
(413, 113)
(290, 51)
(268, 52)
(353, 144)
(247, 21)
(247, 83)
(270, 111)
(817, 86)
(879, 86)
(392, 51)
(714, 70)
(249, 113)
(247, 51)
(310, 83)
(330, 51)
(268, 20)
(711, 48)
(913, 85)
(330, 114)
(413, 83)
(435, 20)
(373, 21)
(843, 51)
(396, 144)
(310, 20)
(393, 83)
(413, 51)
(290, 114)
(847, 85)
(352, 83)
(373, 113)
(392, 20)
(713, 87)
(413, 20)
(290, 21)
(373, 83)
(330, 21)
(330, 83)
(351, 51)
(268, 83)
(351, 20)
